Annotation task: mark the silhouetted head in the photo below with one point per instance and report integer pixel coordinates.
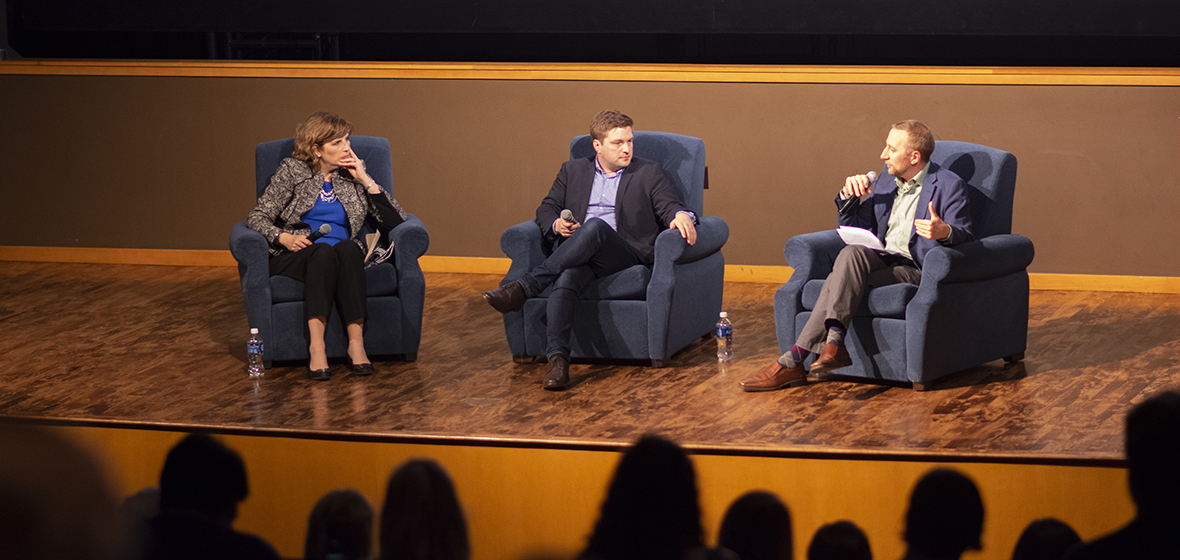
(422, 518)
(945, 517)
(54, 500)
(841, 540)
(1153, 455)
(757, 526)
(340, 527)
(651, 510)
(203, 475)
(1045, 539)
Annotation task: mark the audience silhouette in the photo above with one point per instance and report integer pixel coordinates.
(340, 527)
(54, 500)
(1153, 474)
(201, 485)
(651, 510)
(757, 526)
(422, 518)
(945, 517)
(54, 504)
(841, 540)
(1045, 539)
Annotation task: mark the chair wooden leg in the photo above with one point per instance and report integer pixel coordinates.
(523, 359)
(921, 386)
(1014, 358)
(658, 363)
(411, 357)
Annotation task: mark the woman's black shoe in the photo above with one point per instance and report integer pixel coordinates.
(319, 374)
(363, 369)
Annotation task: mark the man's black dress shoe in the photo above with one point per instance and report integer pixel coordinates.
(363, 369)
(507, 299)
(557, 377)
(319, 374)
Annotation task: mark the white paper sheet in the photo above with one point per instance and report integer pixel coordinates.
(859, 236)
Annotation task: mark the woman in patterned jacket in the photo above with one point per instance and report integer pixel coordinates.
(324, 183)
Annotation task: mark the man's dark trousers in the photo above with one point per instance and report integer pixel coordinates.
(593, 251)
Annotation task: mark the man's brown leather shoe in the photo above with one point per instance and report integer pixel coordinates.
(775, 376)
(557, 376)
(507, 298)
(833, 357)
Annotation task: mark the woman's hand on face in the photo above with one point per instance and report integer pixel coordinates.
(293, 242)
(355, 166)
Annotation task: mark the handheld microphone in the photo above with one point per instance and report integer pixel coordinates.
(568, 216)
(872, 175)
(324, 230)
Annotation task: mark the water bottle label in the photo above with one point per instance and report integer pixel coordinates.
(254, 347)
(724, 331)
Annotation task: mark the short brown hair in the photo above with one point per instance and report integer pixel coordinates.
(607, 121)
(920, 140)
(318, 129)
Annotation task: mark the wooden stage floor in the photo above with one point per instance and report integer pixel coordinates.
(163, 347)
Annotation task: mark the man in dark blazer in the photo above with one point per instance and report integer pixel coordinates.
(919, 207)
(618, 204)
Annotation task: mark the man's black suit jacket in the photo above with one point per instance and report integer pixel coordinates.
(646, 203)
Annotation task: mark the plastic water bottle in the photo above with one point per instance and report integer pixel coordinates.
(724, 338)
(254, 355)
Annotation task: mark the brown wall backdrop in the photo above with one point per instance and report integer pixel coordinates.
(167, 162)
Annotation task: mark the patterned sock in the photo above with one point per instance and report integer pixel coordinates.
(794, 356)
(835, 332)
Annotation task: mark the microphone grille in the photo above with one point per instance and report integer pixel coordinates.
(567, 215)
(872, 176)
(326, 229)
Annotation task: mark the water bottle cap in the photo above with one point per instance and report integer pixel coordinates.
(253, 331)
(724, 314)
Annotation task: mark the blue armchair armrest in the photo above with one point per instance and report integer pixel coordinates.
(983, 259)
(250, 249)
(522, 244)
(685, 291)
(410, 241)
(712, 233)
(812, 254)
(247, 245)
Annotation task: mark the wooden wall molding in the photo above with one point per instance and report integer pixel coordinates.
(484, 265)
(709, 73)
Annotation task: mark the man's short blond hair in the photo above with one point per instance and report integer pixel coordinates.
(920, 140)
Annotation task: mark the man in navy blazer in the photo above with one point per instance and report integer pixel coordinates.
(617, 206)
(922, 207)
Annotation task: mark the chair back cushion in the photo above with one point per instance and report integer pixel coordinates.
(991, 174)
(682, 157)
(374, 150)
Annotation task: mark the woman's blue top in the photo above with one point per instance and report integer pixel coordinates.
(328, 210)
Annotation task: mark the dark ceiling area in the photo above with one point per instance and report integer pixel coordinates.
(834, 32)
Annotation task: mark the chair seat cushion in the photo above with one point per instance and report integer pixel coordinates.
(886, 301)
(380, 280)
(627, 284)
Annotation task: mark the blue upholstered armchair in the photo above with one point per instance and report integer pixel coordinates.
(638, 313)
(971, 306)
(396, 289)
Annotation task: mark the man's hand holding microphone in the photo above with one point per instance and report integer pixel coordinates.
(567, 224)
(858, 187)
